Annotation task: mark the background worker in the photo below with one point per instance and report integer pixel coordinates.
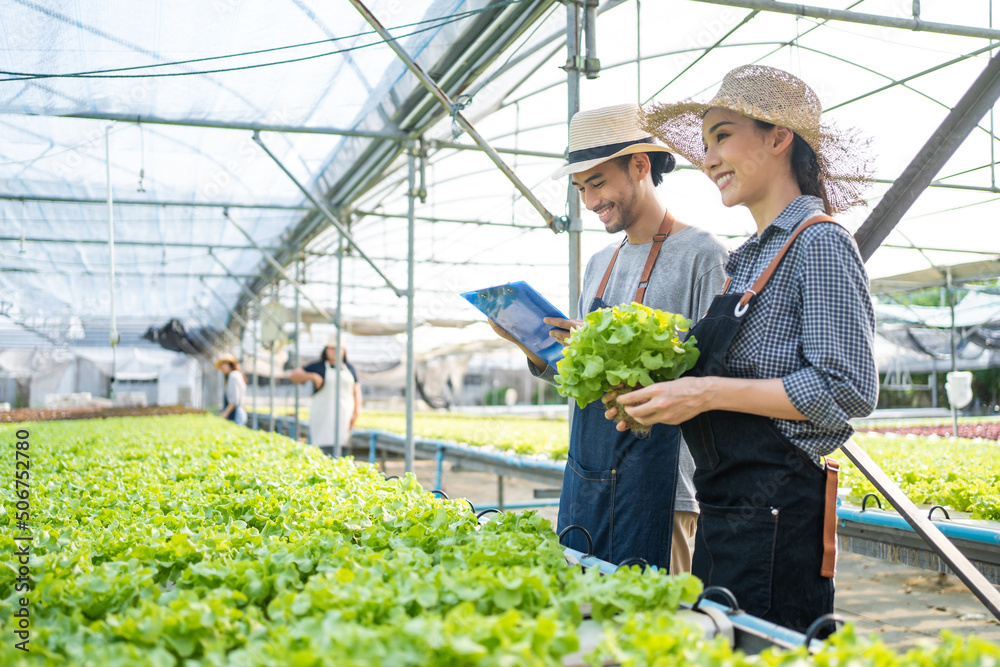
(634, 495)
(323, 410)
(234, 396)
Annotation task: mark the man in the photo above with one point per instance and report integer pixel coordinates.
(635, 496)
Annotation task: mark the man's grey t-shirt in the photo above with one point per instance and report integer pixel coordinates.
(686, 277)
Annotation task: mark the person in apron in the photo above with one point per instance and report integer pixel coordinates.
(234, 396)
(786, 349)
(323, 414)
(633, 495)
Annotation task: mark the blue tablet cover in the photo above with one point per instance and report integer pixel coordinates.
(519, 309)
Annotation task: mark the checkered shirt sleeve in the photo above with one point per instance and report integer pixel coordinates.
(813, 326)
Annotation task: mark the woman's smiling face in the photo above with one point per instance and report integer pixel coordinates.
(736, 157)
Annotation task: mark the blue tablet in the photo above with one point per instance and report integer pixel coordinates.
(519, 309)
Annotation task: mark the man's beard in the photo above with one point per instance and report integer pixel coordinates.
(626, 213)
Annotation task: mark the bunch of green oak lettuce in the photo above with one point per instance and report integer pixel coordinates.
(624, 347)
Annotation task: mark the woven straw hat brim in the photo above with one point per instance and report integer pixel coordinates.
(844, 155)
(577, 167)
(223, 359)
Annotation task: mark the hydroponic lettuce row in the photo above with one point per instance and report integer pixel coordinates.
(631, 345)
(187, 541)
(959, 474)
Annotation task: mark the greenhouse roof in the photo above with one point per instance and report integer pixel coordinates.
(171, 96)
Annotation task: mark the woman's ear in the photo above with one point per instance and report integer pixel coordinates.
(782, 139)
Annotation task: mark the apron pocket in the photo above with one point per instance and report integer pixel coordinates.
(591, 501)
(735, 548)
(701, 441)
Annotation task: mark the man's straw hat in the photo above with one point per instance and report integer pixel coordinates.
(223, 359)
(599, 135)
(777, 97)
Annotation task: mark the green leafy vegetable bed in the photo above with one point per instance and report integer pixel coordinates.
(185, 541)
(188, 540)
(519, 435)
(960, 474)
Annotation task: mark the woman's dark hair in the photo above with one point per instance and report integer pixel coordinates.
(659, 163)
(805, 166)
(343, 353)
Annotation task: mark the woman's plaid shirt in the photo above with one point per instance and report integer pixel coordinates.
(812, 325)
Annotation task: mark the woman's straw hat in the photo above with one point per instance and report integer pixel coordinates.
(777, 97)
(223, 359)
(599, 135)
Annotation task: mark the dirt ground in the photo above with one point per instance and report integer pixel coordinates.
(900, 604)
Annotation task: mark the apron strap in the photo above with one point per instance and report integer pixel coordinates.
(654, 252)
(607, 274)
(662, 233)
(829, 565)
(772, 267)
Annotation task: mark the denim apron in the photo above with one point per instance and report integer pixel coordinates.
(761, 528)
(618, 486)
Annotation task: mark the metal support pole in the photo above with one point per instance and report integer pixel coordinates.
(951, 338)
(270, 384)
(329, 216)
(277, 267)
(113, 337)
(446, 102)
(858, 17)
(500, 492)
(943, 143)
(256, 375)
(572, 68)
(439, 459)
(592, 65)
(412, 195)
(297, 363)
(338, 366)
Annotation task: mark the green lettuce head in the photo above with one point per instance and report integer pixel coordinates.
(631, 345)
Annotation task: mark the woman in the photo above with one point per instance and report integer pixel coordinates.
(323, 411)
(234, 398)
(786, 349)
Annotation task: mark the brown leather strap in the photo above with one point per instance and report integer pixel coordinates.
(654, 252)
(725, 288)
(769, 271)
(829, 566)
(662, 233)
(607, 274)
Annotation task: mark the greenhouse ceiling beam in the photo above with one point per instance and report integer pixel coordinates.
(403, 216)
(943, 143)
(288, 129)
(145, 202)
(153, 244)
(446, 102)
(344, 232)
(914, 24)
(229, 309)
(126, 274)
(230, 125)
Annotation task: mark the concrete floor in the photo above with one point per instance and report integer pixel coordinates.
(900, 604)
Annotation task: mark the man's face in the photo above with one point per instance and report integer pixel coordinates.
(609, 192)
